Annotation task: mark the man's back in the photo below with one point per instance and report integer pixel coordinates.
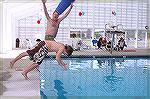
(54, 46)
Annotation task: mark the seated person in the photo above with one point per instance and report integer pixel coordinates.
(94, 42)
(99, 43)
(78, 45)
(121, 43)
(117, 48)
(104, 42)
(108, 46)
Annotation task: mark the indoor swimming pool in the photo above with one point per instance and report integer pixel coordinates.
(92, 78)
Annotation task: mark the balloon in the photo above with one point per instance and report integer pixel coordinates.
(80, 13)
(83, 13)
(38, 21)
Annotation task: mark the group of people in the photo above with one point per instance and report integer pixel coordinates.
(38, 53)
(102, 42)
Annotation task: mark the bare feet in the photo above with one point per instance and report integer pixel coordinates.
(11, 64)
(25, 76)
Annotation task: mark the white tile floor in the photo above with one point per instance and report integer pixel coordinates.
(18, 86)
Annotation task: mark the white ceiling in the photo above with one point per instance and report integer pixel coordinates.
(28, 0)
(21, 10)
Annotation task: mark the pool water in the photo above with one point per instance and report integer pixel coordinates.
(94, 78)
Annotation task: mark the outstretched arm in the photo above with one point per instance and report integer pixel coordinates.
(59, 60)
(66, 14)
(45, 10)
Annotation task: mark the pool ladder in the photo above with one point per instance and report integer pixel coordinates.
(113, 30)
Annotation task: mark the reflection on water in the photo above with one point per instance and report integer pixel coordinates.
(58, 85)
(111, 80)
(43, 96)
(95, 77)
(95, 63)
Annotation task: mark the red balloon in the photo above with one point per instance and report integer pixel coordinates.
(38, 21)
(80, 13)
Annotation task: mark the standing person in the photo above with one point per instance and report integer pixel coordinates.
(17, 42)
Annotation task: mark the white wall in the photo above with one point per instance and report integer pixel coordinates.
(149, 13)
(11, 12)
(8, 16)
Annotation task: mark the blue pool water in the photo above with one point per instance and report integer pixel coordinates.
(95, 77)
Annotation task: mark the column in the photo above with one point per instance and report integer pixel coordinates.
(148, 20)
(1, 33)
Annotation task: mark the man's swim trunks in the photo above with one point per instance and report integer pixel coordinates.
(31, 52)
(40, 55)
(49, 37)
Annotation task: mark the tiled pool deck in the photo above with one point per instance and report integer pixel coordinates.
(20, 88)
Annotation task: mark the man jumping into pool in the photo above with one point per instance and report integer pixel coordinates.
(38, 53)
(37, 57)
(53, 23)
